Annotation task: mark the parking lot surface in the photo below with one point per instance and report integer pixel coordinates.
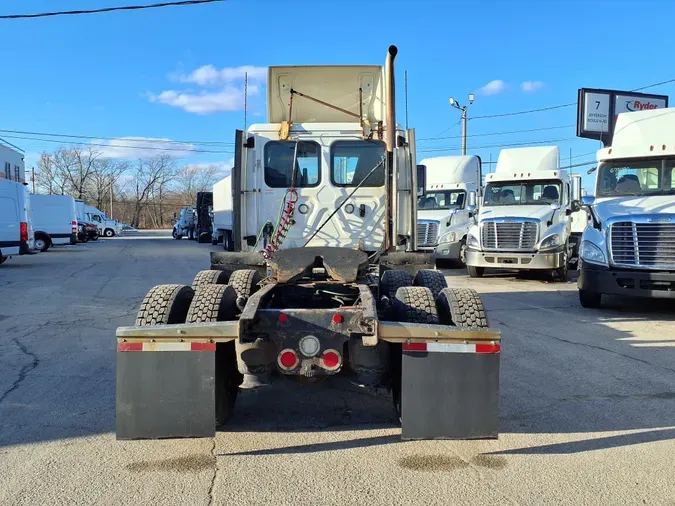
(586, 412)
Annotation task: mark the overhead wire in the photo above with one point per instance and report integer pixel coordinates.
(180, 3)
(515, 144)
(496, 133)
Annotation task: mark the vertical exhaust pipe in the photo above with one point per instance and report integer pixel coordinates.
(390, 97)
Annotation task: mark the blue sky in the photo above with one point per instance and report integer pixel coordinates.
(175, 73)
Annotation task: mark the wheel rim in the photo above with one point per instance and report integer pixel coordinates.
(39, 244)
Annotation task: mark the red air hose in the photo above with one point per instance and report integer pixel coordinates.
(284, 225)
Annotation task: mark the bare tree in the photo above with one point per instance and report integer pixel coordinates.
(102, 182)
(50, 179)
(191, 179)
(150, 174)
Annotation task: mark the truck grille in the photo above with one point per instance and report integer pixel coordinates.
(509, 236)
(643, 244)
(427, 233)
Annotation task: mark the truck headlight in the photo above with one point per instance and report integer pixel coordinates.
(589, 252)
(448, 237)
(552, 241)
(472, 241)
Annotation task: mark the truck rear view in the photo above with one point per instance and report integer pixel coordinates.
(324, 278)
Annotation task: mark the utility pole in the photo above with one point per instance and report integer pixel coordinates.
(32, 177)
(456, 105)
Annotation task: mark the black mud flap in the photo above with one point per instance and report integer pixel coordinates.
(449, 391)
(165, 394)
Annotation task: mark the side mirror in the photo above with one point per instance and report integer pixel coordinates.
(587, 200)
(555, 206)
(471, 204)
(591, 170)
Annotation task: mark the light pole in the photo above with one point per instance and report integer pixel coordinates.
(456, 105)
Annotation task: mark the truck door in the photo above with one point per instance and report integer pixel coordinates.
(245, 191)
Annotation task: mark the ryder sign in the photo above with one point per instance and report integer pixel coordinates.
(597, 110)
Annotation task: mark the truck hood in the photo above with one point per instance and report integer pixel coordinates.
(606, 207)
(541, 212)
(434, 214)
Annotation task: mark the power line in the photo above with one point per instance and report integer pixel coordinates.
(109, 9)
(438, 136)
(206, 143)
(183, 150)
(495, 133)
(526, 143)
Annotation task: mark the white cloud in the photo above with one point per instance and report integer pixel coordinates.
(493, 87)
(208, 75)
(141, 147)
(531, 86)
(230, 98)
(224, 168)
(217, 90)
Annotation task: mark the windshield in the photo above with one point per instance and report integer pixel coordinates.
(524, 193)
(352, 161)
(451, 199)
(636, 177)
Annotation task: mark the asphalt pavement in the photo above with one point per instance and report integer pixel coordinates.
(586, 411)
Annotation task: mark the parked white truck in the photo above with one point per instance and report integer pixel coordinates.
(525, 219)
(442, 216)
(184, 223)
(16, 229)
(628, 248)
(107, 227)
(222, 213)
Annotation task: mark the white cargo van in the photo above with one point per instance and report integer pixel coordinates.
(16, 232)
(106, 226)
(442, 217)
(222, 213)
(54, 220)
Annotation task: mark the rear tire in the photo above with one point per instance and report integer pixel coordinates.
(461, 307)
(391, 280)
(590, 300)
(109, 232)
(210, 277)
(165, 305)
(245, 282)
(3, 260)
(42, 243)
(227, 241)
(475, 272)
(433, 280)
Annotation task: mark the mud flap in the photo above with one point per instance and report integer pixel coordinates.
(165, 393)
(450, 391)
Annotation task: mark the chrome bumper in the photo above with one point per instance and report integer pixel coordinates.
(506, 260)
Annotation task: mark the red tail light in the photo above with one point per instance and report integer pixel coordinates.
(331, 360)
(23, 231)
(288, 359)
(74, 224)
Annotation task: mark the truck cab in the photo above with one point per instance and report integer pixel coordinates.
(443, 219)
(525, 219)
(106, 226)
(627, 247)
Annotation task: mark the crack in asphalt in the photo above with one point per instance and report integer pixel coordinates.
(215, 473)
(587, 345)
(24, 370)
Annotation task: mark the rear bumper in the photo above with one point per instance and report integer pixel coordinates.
(631, 283)
(506, 260)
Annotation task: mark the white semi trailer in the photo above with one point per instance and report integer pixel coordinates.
(525, 219)
(223, 224)
(443, 219)
(628, 248)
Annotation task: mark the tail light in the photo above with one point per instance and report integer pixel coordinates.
(331, 360)
(23, 231)
(74, 224)
(288, 360)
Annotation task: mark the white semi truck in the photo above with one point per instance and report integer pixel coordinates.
(325, 277)
(443, 219)
(628, 247)
(107, 227)
(525, 218)
(223, 225)
(184, 223)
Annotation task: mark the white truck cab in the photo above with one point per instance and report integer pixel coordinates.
(106, 226)
(525, 218)
(443, 219)
(184, 223)
(628, 247)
